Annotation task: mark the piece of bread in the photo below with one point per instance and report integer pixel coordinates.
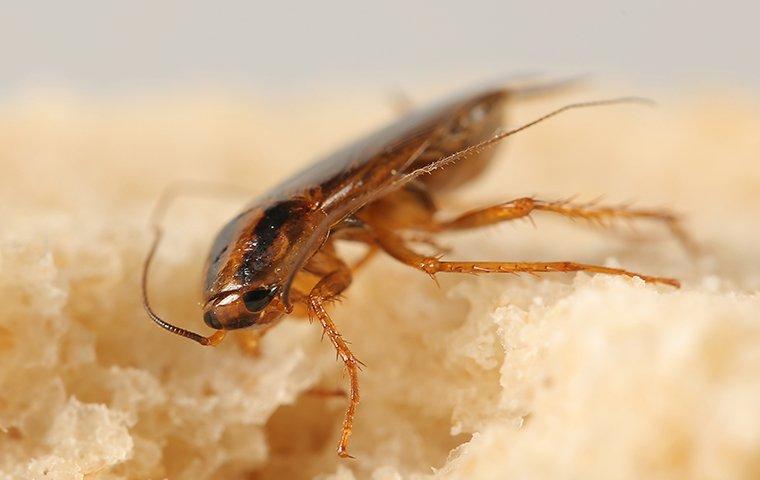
(487, 377)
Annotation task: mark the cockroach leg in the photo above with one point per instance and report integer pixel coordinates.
(396, 247)
(326, 289)
(524, 207)
(317, 310)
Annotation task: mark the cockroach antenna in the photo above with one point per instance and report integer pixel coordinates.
(477, 148)
(155, 222)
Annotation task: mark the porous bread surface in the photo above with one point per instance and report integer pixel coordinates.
(561, 376)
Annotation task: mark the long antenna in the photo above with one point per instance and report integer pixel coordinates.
(155, 221)
(474, 149)
(214, 339)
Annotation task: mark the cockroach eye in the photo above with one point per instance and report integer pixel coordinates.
(256, 300)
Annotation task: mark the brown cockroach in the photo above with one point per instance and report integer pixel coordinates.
(279, 252)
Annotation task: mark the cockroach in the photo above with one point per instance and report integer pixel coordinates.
(279, 252)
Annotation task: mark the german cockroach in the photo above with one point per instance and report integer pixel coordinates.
(278, 253)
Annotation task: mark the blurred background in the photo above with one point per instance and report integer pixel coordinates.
(296, 48)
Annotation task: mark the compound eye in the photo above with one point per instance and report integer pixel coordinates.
(256, 300)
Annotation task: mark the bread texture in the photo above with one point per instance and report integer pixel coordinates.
(479, 377)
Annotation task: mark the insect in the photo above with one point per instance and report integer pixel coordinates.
(279, 254)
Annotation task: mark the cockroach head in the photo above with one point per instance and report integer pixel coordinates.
(240, 309)
(252, 264)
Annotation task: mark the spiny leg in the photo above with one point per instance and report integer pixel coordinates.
(396, 247)
(524, 207)
(316, 308)
(327, 289)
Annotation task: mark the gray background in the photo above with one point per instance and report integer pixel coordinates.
(106, 47)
